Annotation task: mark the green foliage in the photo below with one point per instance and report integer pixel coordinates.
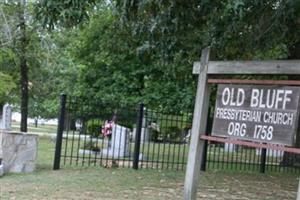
(155, 135)
(91, 146)
(66, 13)
(116, 69)
(108, 69)
(6, 86)
(173, 134)
(237, 29)
(94, 128)
(137, 50)
(39, 54)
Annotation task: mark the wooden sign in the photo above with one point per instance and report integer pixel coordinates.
(267, 114)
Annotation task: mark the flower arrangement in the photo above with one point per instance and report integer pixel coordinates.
(107, 128)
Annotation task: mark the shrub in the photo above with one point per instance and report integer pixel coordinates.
(92, 146)
(94, 129)
(173, 134)
(154, 135)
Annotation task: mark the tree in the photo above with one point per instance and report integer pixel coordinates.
(23, 51)
(166, 37)
(15, 41)
(23, 65)
(6, 86)
(63, 13)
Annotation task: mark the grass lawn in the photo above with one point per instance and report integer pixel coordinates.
(123, 183)
(39, 129)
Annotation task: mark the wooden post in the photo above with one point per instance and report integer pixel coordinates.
(198, 128)
(298, 193)
(203, 69)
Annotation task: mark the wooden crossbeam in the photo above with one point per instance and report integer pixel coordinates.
(254, 82)
(251, 144)
(273, 67)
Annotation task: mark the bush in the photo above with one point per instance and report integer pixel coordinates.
(154, 135)
(94, 129)
(92, 146)
(173, 134)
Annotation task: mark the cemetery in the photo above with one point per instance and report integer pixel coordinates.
(147, 99)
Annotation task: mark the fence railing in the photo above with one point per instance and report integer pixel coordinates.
(138, 137)
(141, 137)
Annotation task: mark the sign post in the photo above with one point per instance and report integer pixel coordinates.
(256, 115)
(298, 193)
(199, 126)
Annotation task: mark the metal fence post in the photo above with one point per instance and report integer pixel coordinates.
(60, 130)
(208, 132)
(263, 159)
(138, 136)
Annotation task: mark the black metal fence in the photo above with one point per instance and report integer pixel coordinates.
(242, 158)
(147, 138)
(139, 137)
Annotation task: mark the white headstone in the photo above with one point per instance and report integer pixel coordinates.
(298, 193)
(6, 117)
(1, 152)
(1, 156)
(119, 146)
(229, 147)
(144, 135)
(1, 169)
(271, 152)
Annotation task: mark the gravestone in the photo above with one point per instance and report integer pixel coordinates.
(6, 117)
(145, 130)
(1, 157)
(5, 124)
(144, 135)
(229, 147)
(119, 146)
(1, 168)
(271, 153)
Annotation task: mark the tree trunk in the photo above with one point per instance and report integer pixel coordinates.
(23, 67)
(294, 51)
(72, 124)
(36, 122)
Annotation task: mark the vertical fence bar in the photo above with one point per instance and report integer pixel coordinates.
(207, 132)
(263, 160)
(60, 130)
(138, 136)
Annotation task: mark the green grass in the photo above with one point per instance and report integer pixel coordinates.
(33, 129)
(153, 152)
(73, 182)
(245, 160)
(81, 183)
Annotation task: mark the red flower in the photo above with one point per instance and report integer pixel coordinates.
(107, 129)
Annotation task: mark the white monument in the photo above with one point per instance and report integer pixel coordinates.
(6, 117)
(271, 152)
(229, 147)
(146, 130)
(119, 144)
(144, 135)
(1, 157)
(5, 124)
